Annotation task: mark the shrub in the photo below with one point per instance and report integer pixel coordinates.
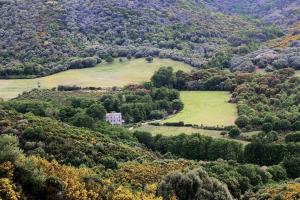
(292, 166)
(9, 150)
(195, 184)
(267, 127)
(280, 63)
(174, 124)
(278, 172)
(156, 114)
(295, 62)
(163, 77)
(282, 124)
(109, 162)
(82, 120)
(96, 111)
(234, 132)
(109, 59)
(177, 105)
(68, 87)
(296, 126)
(149, 59)
(293, 137)
(242, 121)
(144, 138)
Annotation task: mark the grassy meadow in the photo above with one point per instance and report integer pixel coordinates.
(172, 130)
(210, 108)
(103, 75)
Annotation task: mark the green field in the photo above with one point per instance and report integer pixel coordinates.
(172, 130)
(209, 108)
(103, 75)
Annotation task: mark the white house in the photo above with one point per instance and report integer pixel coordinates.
(114, 118)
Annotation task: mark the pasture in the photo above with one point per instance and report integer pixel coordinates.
(172, 131)
(210, 108)
(103, 75)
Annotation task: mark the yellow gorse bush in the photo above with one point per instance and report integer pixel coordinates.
(7, 187)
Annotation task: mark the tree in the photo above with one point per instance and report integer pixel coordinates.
(292, 166)
(109, 59)
(177, 105)
(66, 113)
(157, 114)
(293, 137)
(9, 150)
(82, 120)
(267, 127)
(129, 57)
(163, 77)
(282, 124)
(144, 138)
(234, 132)
(220, 60)
(110, 162)
(149, 59)
(278, 173)
(195, 184)
(242, 121)
(97, 111)
(296, 126)
(280, 63)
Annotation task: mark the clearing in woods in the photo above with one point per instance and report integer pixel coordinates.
(210, 108)
(103, 75)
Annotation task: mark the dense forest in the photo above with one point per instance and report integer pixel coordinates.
(44, 37)
(57, 144)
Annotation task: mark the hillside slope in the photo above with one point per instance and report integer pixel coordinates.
(40, 37)
(283, 13)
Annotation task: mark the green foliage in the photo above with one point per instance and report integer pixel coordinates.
(269, 153)
(293, 137)
(220, 60)
(9, 150)
(193, 146)
(33, 179)
(163, 77)
(96, 111)
(234, 132)
(82, 120)
(267, 127)
(240, 178)
(266, 137)
(242, 121)
(145, 138)
(292, 166)
(149, 59)
(195, 184)
(272, 32)
(278, 172)
(34, 106)
(109, 59)
(109, 162)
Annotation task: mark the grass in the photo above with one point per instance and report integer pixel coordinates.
(210, 108)
(172, 130)
(103, 75)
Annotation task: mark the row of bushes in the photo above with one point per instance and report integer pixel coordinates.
(201, 147)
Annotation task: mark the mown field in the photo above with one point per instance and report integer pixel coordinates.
(103, 75)
(210, 108)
